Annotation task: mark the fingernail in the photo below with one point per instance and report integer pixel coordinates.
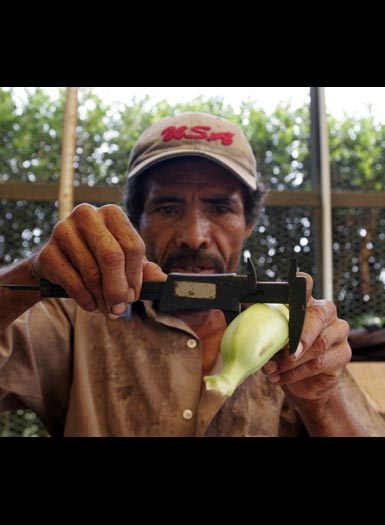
(118, 309)
(273, 379)
(131, 295)
(270, 367)
(112, 316)
(97, 311)
(297, 354)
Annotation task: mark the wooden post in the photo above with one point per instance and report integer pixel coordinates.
(66, 186)
(320, 171)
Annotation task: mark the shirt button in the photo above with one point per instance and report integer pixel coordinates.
(187, 414)
(191, 343)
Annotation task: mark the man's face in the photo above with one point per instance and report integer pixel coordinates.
(193, 218)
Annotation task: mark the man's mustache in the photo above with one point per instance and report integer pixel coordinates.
(193, 259)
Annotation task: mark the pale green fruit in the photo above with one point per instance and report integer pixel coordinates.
(249, 341)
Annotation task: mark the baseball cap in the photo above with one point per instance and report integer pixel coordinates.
(195, 133)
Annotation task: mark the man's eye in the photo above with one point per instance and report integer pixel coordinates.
(221, 210)
(167, 210)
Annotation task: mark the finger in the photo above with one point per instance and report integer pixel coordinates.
(82, 259)
(153, 272)
(312, 388)
(273, 364)
(309, 285)
(131, 244)
(108, 254)
(329, 363)
(63, 273)
(331, 336)
(319, 315)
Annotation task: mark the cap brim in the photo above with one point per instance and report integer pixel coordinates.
(243, 175)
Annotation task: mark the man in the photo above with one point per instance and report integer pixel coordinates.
(94, 365)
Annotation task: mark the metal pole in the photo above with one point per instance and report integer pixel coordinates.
(315, 172)
(321, 182)
(326, 200)
(66, 188)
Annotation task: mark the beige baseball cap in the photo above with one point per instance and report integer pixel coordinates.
(200, 134)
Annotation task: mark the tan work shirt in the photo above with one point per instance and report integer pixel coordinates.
(87, 376)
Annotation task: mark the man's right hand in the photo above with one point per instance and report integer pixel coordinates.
(97, 256)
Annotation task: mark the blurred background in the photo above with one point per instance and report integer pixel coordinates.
(277, 122)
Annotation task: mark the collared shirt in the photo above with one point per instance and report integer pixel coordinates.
(140, 376)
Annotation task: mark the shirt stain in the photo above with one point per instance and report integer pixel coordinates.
(123, 392)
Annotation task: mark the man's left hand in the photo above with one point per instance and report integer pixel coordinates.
(314, 370)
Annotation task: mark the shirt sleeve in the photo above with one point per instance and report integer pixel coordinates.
(35, 360)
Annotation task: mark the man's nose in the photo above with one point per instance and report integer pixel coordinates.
(193, 231)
